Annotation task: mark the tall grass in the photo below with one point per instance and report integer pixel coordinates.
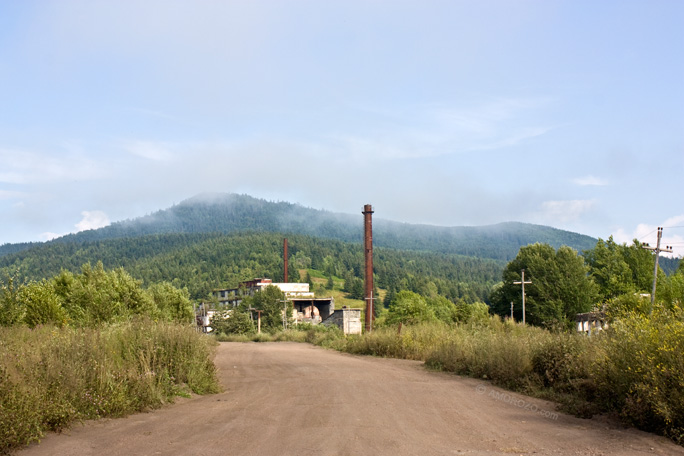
(50, 377)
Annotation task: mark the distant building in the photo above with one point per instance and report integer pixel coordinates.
(348, 320)
(233, 296)
(305, 307)
(591, 322)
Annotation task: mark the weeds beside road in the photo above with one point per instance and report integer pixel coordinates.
(51, 377)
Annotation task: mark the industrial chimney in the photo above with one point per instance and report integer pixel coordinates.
(285, 260)
(368, 249)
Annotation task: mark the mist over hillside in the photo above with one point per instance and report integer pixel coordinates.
(229, 213)
(217, 240)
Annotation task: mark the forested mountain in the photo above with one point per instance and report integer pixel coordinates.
(230, 213)
(218, 240)
(202, 262)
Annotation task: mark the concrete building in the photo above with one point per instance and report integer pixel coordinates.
(233, 296)
(311, 310)
(348, 320)
(305, 307)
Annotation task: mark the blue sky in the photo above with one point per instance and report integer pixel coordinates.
(561, 113)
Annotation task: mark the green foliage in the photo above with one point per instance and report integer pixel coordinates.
(270, 302)
(42, 304)
(640, 372)
(11, 311)
(560, 287)
(443, 309)
(95, 297)
(172, 304)
(619, 269)
(409, 308)
(50, 377)
(671, 289)
(477, 312)
(204, 262)
(234, 321)
(626, 304)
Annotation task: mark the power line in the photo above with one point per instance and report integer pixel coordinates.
(648, 234)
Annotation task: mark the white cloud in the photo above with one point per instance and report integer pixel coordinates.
(432, 131)
(48, 236)
(514, 138)
(590, 181)
(674, 221)
(27, 167)
(566, 211)
(92, 220)
(155, 151)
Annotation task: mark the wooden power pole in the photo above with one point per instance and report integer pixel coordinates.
(522, 282)
(657, 251)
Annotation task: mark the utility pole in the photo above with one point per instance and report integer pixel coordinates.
(522, 282)
(251, 309)
(657, 251)
(284, 301)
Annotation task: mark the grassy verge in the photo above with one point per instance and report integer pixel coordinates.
(51, 377)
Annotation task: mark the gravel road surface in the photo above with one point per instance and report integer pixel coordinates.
(297, 399)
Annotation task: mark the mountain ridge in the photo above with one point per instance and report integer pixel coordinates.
(229, 212)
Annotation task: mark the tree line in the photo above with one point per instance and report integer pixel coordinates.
(611, 277)
(204, 262)
(92, 298)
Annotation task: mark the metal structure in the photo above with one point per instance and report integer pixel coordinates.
(285, 260)
(368, 249)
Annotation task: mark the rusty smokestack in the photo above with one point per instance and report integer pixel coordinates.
(368, 249)
(285, 260)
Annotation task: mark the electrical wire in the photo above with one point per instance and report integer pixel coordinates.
(647, 234)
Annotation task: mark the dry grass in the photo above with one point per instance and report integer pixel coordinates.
(51, 376)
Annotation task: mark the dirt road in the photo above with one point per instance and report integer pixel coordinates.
(296, 399)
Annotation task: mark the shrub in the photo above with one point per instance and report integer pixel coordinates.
(233, 321)
(409, 308)
(640, 371)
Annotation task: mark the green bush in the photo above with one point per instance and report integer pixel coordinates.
(234, 321)
(11, 312)
(640, 371)
(409, 308)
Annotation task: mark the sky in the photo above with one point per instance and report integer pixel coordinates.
(566, 113)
